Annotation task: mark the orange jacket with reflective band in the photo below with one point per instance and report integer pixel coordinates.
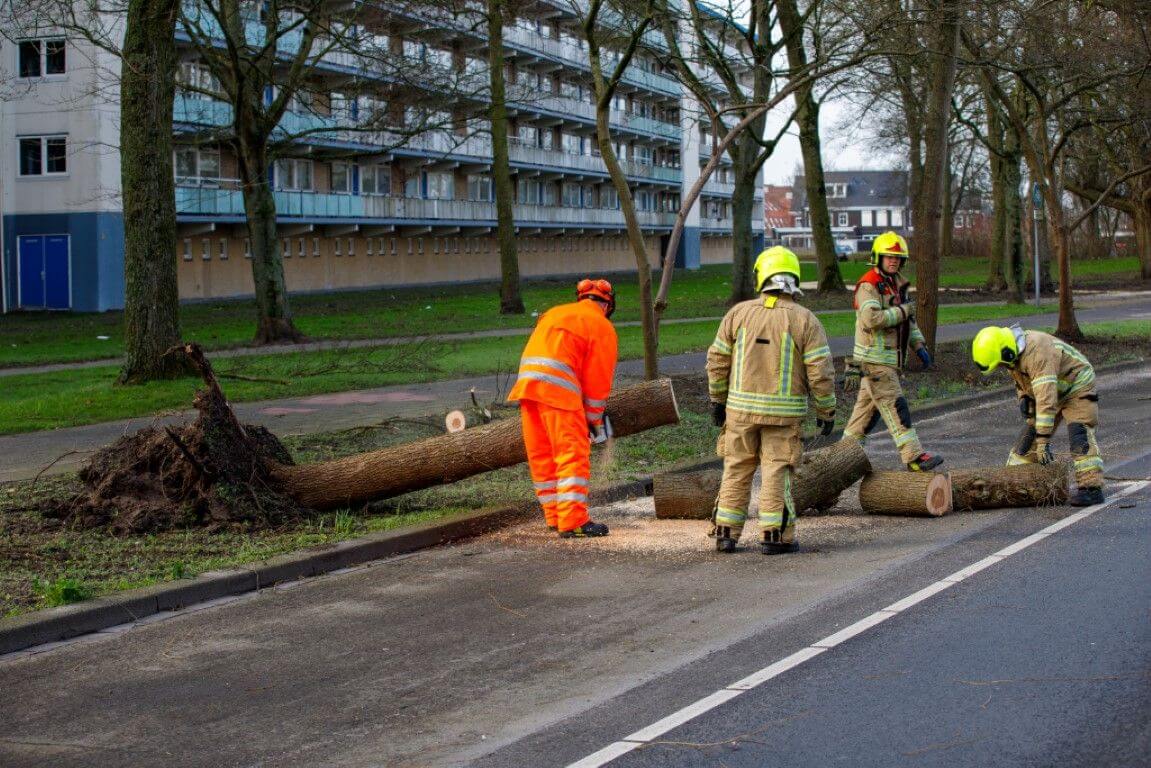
(569, 360)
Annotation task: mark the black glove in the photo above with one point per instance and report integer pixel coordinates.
(924, 357)
(719, 414)
(825, 425)
(1027, 406)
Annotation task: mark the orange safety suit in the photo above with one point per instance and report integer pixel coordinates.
(564, 380)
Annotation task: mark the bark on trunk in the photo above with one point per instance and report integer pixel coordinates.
(358, 479)
(1143, 235)
(1068, 328)
(996, 274)
(273, 311)
(807, 120)
(511, 299)
(935, 173)
(151, 294)
(742, 209)
(1013, 235)
(820, 478)
(1023, 485)
(912, 494)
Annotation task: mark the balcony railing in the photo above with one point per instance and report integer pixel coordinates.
(215, 201)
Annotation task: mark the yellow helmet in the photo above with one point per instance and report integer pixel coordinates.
(775, 261)
(889, 244)
(994, 345)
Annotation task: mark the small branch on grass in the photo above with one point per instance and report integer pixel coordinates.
(260, 379)
(51, 464)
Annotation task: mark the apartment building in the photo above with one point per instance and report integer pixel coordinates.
(355, 208)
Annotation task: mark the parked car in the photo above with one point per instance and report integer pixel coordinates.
(844, 249)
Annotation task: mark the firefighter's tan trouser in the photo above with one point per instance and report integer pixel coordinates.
(880, 396)
(774, 449)
(1082, 416)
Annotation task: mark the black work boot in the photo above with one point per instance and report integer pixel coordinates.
(585, 531)
(724, 540)
(1086, 497)
(924, 462)
(775, 543)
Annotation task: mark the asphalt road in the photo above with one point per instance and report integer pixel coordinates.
(519, 649)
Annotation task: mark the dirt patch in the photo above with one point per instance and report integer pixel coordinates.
(212, 473)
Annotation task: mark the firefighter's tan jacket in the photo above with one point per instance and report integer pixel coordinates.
(883, 329)
(768, 355)
(1052, 372)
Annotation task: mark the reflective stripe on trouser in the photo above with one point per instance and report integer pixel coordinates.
(775, 449)
(1081, 416)
(559, 456)
(879, 392)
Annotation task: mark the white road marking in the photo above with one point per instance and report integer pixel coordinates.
(727, 693)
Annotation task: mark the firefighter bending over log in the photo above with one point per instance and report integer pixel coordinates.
(884, 330)
(768, 355)
(564, 381)
(1054, 382)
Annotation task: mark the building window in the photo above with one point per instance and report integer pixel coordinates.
(866, 218)
(195, 80)
(341, 178)
(39, 58)
(206, 249)
(351, 246)
(337, 250)
(300, 250)
(198, 166)
(841, 219)
(223, 249)
(187, 250)
(247, 247)
(441, 185)
(294, 175)
(286, 248)
(375, 179)
(315, 247)
(897, 218)
(836, 190)
(43, 156)
(480, 188)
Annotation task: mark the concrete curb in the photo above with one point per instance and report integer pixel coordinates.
(55, 624)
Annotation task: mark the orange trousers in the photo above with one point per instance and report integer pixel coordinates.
(559, 456)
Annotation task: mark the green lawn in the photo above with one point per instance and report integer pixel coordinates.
(86, 396)
(38, 338)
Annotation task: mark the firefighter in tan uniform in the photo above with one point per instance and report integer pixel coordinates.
(884, 330)
(768, 356)
(1054, 382)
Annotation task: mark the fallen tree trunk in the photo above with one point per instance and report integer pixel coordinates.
(914, 494)
(392, 471)
(1022, 485)
(820, 478)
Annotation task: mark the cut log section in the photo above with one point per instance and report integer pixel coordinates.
(455, 421)
(1022, 485)
(392, 471)
(820, 478)
(914, 494)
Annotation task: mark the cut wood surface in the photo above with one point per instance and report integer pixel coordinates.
(821, 476)
(455, 421)
(445, 459)
(917, 494)
(1022, 485)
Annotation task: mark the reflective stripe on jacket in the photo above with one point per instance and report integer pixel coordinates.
(569, 361)
(767, 357)
(1052, 372)
(883, 332)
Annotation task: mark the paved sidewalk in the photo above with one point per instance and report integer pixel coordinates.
(24, 456)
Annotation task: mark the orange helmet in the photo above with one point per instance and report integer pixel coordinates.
(600, 290)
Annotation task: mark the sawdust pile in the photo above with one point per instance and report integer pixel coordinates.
(210, 473)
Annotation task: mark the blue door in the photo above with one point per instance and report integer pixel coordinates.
(44, 272)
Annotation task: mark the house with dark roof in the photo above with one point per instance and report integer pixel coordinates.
(862, 204)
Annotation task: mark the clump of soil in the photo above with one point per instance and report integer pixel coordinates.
(212, 473)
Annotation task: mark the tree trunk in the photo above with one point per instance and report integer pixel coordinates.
(273, 312)
(947, 223)
(151, 293)
(935, 173)
(1142, 219)
(913, 494)
(743, 208)
(996, 277)
(1068, 328)
(820, 478)
(448, 458)
(1022, 485)
(807, 120)
(511, 300)
(1016, 253)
